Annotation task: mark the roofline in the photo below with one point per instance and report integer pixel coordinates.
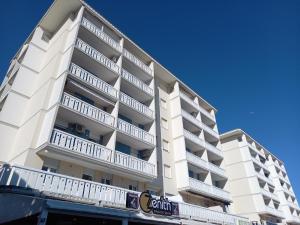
(140, 49)
(238, 131)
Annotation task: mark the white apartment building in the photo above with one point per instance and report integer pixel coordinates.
(258, 181)
(89, 122)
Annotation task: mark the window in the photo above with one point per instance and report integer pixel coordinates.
(105, 181)
(132, 187)
(164, 123)
(167, 171)
(87, 177)
(191, 174)
(49, 169)
(123, 148)
(83, 98)
(125, 118)
(165, 145)
(163, 103)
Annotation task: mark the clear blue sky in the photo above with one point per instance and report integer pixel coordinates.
(241, 56)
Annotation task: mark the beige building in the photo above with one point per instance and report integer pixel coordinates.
(88, 121)
(258, 181)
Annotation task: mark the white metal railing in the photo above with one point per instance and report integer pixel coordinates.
(264, 178)
(190, 118)
(202, 187)
(136, 82)
(259, 163)
(93, 80)
(216, 169)
(71, 188)
(67, 141)
(87, 110)
(210, 130)
(63, 186)
(199, 213)
(196, 160)
(136, 61)
(136, 105)
(135, 131)
(269, 194)
(274, 211)
(100, 34)
(213, 149)
(197, 106)
(134, 163)
(93, 53)
(192, 137)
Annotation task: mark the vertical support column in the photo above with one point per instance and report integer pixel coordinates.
(42, 219)
(125, 221)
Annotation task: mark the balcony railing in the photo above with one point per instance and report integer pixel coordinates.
(258, 162)
(71, 188)
(197, 106)
(216, 169)
(100, 34)
(197, 161)
(269, 194)
(210, 130)
(93, 81)
(136, 82)
(97, 56)
(136, 132)
(264, 178)
(273, 211)
(199, 213)
(213, 149)
(136, 105)
(136, 61)
(87, 110)
(210, 190)
(75, 144)
(192, 137)
(190, 118)
(134, 163)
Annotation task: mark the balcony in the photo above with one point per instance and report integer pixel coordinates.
(213, 149)
(191, 119)
(135, 164)
(269, 194)
(197, 161)
(136, 105)
(258, 162)
(91, 112)
(208, 190)
(67, 142)
(210, 131)
(216, 169)
(134, 60)
(63, 144)
(198, 213)
(292, 219)
(109, 65)
(101, 35)
(74, 189)
(264, 178)
(272, 211)
(193, 138)
(92, 81)
(197, 106)
(138, 134)
(138, 84)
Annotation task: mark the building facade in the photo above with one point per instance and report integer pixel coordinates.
(94, 130)
(258, 181)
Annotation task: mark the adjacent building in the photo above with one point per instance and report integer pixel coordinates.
(88, 121)
(258, 181)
